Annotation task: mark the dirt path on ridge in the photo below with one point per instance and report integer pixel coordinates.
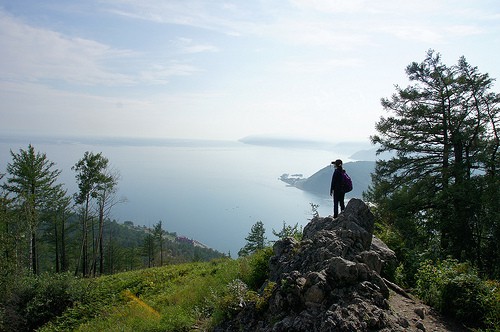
(431, 321)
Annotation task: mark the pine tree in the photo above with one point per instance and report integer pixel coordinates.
(442, 129)
(159, 234)
(32, 181)
(149, 247)
(256, 240)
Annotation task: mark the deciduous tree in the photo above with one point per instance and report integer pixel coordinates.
(92, 178)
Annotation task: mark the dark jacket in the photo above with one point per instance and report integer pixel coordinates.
(336, 180)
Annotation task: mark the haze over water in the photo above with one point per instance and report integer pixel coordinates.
(211, 191)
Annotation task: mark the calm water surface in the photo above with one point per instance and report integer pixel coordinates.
(210, 191)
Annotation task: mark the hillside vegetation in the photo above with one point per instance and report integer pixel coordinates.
(171, 298)
(333, 270)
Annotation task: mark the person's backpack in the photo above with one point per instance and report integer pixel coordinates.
(346, 182)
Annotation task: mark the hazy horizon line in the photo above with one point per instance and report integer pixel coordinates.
(260, 140)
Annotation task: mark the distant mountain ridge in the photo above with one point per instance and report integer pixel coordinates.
(285, 142)
(319, 183)
(342, 147)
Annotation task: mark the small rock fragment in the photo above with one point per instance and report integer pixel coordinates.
(420, 325)
(420, 311)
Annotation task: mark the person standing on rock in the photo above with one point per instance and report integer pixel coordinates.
(336, 189)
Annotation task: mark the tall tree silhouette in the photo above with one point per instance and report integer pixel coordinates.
(443, 131)
(32, 180)
(92, 178)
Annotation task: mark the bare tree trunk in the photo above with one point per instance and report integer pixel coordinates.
(34, 261)
(58, 264)
(110, 258)
(101, 246)
(93, 266)
(64, 262)
(85, 240)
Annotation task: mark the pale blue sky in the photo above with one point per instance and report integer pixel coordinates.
(212, 69)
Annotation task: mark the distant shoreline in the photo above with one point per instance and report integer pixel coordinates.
(350, 150)
(114, 141)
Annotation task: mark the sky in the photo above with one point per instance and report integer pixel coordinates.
(312, 69)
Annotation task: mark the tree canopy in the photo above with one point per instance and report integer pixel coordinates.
(95, 181)
(441, 186)
(32, 182)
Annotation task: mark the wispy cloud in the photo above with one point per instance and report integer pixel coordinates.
(33, 54)
(214, 15)
(321, 66)
(159, 73)
(331, 6)
(464, 30)
(37, 54)
(414, 33)
(173, 66)
(189, 46)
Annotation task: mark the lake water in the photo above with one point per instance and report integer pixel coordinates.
(211, 191)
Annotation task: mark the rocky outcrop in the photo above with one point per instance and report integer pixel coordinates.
(329, 281)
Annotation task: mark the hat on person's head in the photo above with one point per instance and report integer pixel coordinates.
(338, 162)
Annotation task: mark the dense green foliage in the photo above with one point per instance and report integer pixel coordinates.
(200, 295)
(95, 181)
(257, 267)
(456, 289)
(440, 191)
(33, 300)
(32, 182)
(438, 196)
(171, 298)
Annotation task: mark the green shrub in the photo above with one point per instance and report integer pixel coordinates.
(456, 290)
(399, 276)
(253, 272)
(262, 302)
(462, 298)
(35, 300)
(429, 283)
(491, 302)
(257, 270)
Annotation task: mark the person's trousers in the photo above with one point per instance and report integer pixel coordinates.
(338, 199)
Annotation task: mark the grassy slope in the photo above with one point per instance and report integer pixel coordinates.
(170, 298)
